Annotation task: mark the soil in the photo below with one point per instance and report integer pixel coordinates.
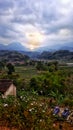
(65, 126)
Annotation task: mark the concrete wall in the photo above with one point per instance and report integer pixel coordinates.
(11, 91)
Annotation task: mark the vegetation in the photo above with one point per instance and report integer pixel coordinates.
(10, 68)
(28, 112)
(37, 83)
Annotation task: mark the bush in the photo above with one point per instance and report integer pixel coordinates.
(68, 102)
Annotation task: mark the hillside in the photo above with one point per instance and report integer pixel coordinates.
(57, 55)
(22, 56)
(13, 56)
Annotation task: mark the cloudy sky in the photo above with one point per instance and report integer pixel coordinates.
(36, 23)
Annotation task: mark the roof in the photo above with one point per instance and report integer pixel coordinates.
(4, 84)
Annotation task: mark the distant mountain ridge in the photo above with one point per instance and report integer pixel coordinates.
(19, 47)
(66, 46)
(13, 46)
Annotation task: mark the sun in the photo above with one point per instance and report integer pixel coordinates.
(32, 47)
(34, 40)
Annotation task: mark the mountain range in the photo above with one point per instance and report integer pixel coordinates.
(19, 47)
(67, 46)
(64, 55)
(57, 52)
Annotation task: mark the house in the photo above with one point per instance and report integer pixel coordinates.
(7, 88)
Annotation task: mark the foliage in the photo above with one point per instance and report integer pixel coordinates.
(28, 112)
(68, 102)
(10, 68)
(1, 65)
(31, 108)
(41, 66)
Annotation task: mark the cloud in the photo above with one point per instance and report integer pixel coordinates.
(48, 22)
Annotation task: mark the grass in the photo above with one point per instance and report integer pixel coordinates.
(26, 72)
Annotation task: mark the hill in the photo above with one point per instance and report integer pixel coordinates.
(57, 55)
(31, 54)
(13, 56)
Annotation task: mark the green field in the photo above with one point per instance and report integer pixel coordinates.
(26, 72)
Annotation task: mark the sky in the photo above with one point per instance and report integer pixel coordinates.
(36, 23)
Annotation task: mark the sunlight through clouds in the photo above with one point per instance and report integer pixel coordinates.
(36, 23)
(34, 39)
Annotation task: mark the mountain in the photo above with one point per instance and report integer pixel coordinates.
(45, 48)
(19, 47)
(67, 48)
(13, 56)
(13, 46)
(65, 55)
(52, 48)
(31, 54)
(2, 47)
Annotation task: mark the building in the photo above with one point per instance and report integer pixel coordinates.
(7, 88)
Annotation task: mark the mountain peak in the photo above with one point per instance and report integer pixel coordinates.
(13, 46)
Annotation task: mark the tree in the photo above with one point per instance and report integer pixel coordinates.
(53, 66)
(11, 68)
(33, 83)
(1, 65)
(41, 66)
